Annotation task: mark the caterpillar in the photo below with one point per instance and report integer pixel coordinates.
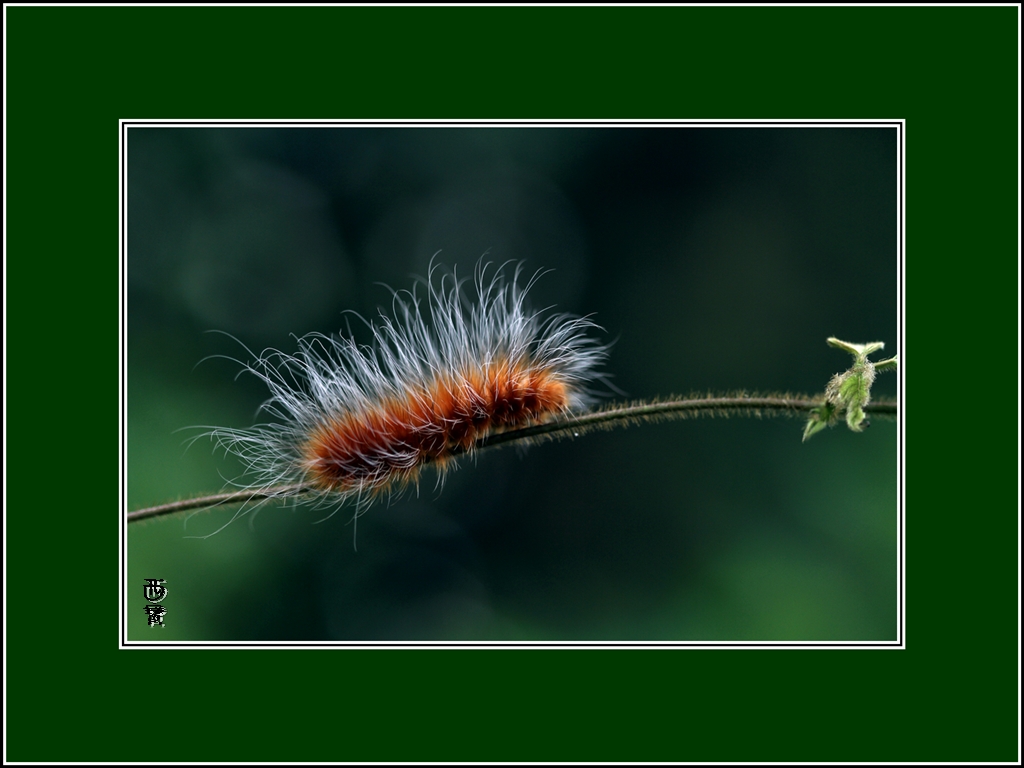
(444, 369)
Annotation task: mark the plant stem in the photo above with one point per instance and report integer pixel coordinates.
(215, 500)
(609, 417)
(619, 415)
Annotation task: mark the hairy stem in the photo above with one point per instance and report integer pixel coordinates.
(215, 500)
(621, 415)
(609, 417)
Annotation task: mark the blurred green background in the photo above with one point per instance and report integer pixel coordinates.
(715, 258)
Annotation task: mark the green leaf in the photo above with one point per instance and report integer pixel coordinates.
(859, 351)
(823, 416)
(886, 365)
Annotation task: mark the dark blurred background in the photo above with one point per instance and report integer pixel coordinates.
(715, 258)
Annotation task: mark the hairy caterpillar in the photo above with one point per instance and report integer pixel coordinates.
(443, 371)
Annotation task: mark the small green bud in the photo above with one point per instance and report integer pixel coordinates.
(849, 392)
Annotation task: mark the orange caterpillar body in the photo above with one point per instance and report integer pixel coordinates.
(430, 425)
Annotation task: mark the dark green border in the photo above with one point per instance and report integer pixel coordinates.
(72, 72)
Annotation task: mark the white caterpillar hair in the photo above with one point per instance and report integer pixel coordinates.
(351, 421)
